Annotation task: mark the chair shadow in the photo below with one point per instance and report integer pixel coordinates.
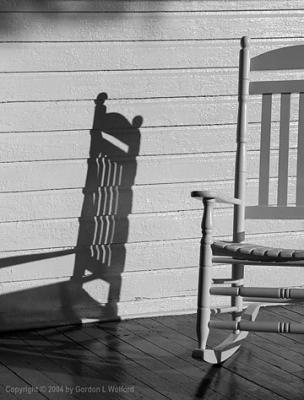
(215, 375)
(212, 374)
(93, 292)
(104, 224)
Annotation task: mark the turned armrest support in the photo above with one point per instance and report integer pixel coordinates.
(205, 194)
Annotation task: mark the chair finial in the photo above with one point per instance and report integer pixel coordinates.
(101, 98)
(245, 42)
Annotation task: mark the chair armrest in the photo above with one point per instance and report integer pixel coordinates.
(205, 194)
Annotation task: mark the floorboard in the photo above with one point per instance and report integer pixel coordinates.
(241, 369)
(251, 365)
(165, 379)
(119, 368)
(150, 359)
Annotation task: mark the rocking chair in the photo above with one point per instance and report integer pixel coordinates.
(238, 253)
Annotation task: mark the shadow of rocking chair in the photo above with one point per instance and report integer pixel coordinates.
(238, 253)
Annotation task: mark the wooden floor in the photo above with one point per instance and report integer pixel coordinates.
(149, 359)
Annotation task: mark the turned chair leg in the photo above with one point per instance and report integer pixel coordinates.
(204, 285)
(203, 309)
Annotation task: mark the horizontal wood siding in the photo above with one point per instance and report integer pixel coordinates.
(97, 253)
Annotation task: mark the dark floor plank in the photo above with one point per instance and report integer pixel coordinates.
(154, 355)
(241, 381)
(154, 373)
(280, 351)
(274, 355)
(9, 383)
(297, 308)
(156, 360)
(107, 346)
(290, 346)
(122, 369)
(277, 377)
(32, 382)
(255, 387)
(139, 337)
(263, 350)
(87, 371)
(55, 361)
(36, 352)
(5, 394)
(214, 378)
(186, 371)
(244, 364)
(271, 353)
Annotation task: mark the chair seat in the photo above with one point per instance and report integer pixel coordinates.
(250, 251)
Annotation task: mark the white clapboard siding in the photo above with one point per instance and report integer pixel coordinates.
(79, 56)
(121, 85)
(97, 290)
(62, 145)
(175, 64)
(63, 174)
(44, 175)
(138, 227)
(147, 6)
(194, 25)
(67, 232)
(134, 84)
(71, 115)
(128, 257)
(69, 203)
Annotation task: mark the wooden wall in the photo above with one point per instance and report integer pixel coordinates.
(172, 63)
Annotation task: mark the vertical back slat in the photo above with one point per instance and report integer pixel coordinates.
(300, 156)
(284, 149)
(265, 150)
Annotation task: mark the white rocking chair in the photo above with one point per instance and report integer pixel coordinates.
(239, 253)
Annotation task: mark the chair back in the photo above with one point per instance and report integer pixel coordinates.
(281, 122)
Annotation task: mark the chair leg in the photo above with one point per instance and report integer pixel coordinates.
(203, 309)
(232, 343)
(204, 280)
